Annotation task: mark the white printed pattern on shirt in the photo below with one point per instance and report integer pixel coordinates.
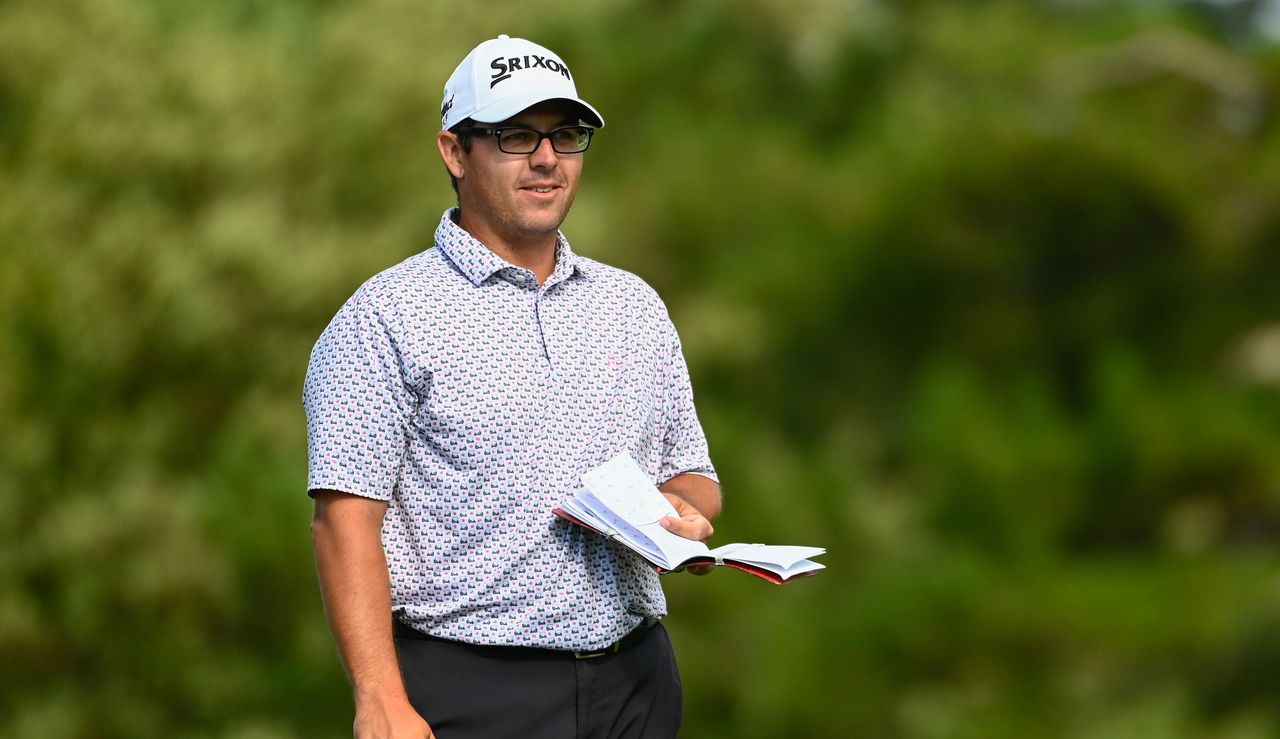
(471, 399)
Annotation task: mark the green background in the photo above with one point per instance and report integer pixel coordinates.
(981, 296)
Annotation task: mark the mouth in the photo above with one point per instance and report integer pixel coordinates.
(541, 189)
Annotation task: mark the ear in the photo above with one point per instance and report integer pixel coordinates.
(452, 154)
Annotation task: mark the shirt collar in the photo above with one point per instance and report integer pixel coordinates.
(478, 263)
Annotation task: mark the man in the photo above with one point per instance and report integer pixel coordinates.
(455, 400)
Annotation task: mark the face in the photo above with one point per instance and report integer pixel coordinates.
(518, 199)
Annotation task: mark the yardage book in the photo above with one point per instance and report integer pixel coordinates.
(618, 500)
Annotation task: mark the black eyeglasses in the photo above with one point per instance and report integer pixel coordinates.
(521, 140)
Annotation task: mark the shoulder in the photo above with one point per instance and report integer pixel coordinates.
(402, 290)
(623, 285)
(423, 272)
(391, 299)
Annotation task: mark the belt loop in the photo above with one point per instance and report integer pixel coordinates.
(633, 635)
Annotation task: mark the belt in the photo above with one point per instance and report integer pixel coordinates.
(402, 630)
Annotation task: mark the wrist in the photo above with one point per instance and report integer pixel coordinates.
(371, 698)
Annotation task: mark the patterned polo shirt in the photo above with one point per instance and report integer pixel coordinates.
(471, 399)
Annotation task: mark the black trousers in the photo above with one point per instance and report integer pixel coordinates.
(467, 692)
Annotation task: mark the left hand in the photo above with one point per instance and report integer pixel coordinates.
(691, 525)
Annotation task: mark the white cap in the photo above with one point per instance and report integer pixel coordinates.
(502, 77)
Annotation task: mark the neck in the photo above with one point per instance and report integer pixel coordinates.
(536, 253)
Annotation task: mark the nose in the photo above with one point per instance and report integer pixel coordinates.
(543, 157)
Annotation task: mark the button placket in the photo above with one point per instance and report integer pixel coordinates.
(546, 377)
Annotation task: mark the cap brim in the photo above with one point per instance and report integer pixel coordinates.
(501, 110)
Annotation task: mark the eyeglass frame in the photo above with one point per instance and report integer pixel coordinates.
(496, 133)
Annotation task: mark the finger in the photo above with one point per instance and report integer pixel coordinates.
(707, 527)
(700, 525)
(696, 528)
(701, 569)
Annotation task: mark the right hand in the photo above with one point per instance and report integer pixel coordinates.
(691, 525)
(391, 722)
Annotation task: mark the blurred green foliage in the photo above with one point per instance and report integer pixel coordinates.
(981, 296)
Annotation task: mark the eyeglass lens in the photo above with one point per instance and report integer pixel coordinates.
(567, 140)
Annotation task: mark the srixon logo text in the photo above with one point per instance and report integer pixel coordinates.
(502, 68)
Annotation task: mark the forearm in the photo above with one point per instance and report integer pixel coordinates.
(701, 492)
(356, 588)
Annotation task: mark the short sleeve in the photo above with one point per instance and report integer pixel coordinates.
(684, 445)
(358, 404)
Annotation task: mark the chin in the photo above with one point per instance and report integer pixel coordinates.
(543, 223)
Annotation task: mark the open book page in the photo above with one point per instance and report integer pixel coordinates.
(800, 568)
(787, 561)
(625, 489)
(582, 509)
(639, 536)
(575, 507)
(761, 554)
